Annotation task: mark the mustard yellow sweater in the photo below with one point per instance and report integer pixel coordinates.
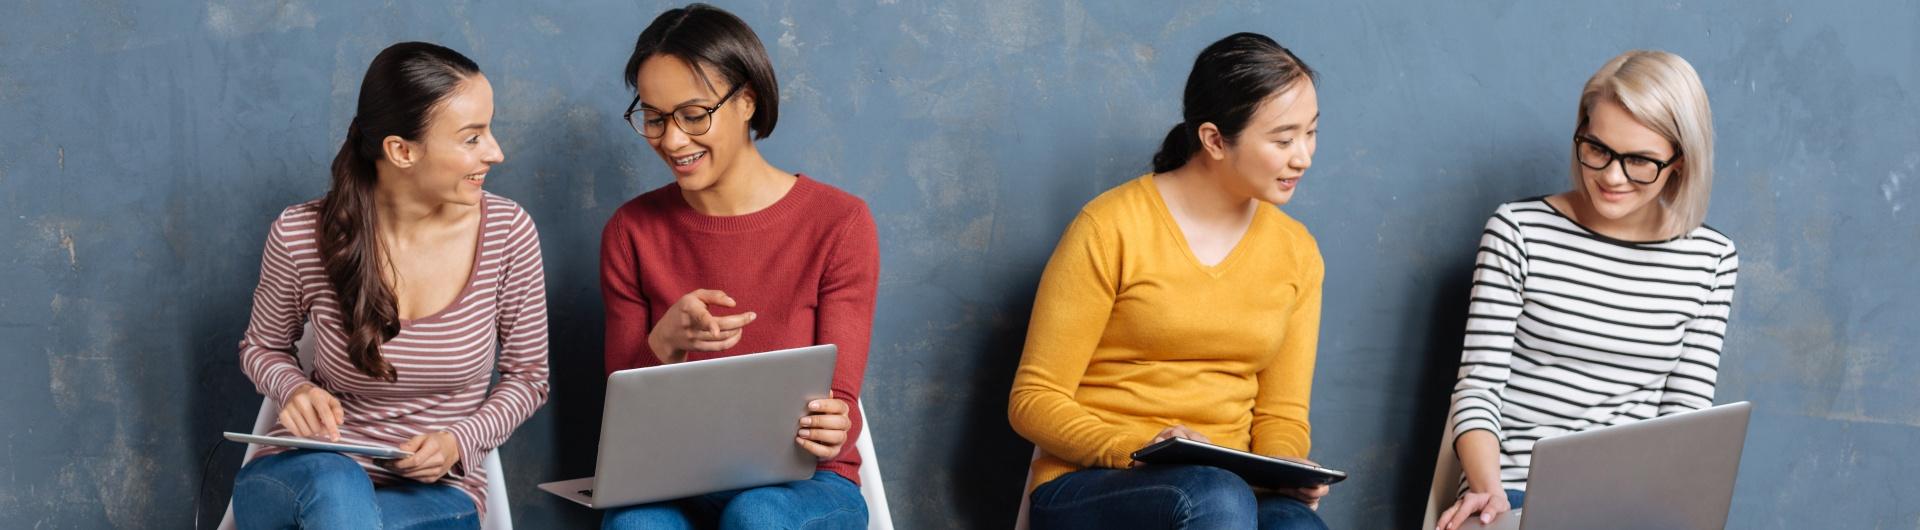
(1131, 334)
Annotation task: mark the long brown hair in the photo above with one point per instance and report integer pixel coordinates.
(401, 89)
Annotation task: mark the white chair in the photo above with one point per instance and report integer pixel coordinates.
(878, 516)
(499, 514)
(1026, 495)
(1446, 478)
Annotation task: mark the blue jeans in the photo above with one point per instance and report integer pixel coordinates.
(1198, 497)
(827, 501)
(1515, 498)
(324, 489)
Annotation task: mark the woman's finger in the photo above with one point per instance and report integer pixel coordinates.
(293, 425)
(339, 416)
(735, 322)
(1441, 523)
(837, 422)
(827, 437)
(827, 406)
(712, 296)
(701, 335)
(819, 451)
(1467, 506)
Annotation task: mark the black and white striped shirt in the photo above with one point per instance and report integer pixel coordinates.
(1569, 330)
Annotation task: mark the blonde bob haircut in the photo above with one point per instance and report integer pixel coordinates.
(1662, 91)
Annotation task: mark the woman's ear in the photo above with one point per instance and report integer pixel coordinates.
(1211, 141)
(398, 151)
(748, 104)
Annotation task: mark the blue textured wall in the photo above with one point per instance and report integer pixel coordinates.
(144, 146)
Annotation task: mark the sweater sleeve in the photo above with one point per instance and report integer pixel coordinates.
(1493, 313)
(844, 317)
(522, 360)
(628, 314)
(1285, 388)
(278, 319)
(1691, 385)
(1070, 312)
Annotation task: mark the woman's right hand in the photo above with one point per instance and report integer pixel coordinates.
(312, 413)
(1175, 431)
(689, 326)
(1488, 505)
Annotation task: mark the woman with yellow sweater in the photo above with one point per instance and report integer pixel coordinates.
(1183, 304)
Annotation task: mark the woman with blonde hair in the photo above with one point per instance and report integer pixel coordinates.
(1602, 305)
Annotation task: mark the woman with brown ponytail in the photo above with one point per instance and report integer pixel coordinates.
(409, 275)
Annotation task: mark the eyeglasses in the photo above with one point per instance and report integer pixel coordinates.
(694, 120)
(1639, 169)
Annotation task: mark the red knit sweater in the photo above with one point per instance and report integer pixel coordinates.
(808, 265)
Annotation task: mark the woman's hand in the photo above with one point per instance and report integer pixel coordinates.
(434, 454)
(1488, 505)
(823, 431)
(689, 326)
(1309, 495)
(312, 413)
(1176, 431)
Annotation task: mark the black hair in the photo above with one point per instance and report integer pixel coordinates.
(1230, 79)
(402, 88)
(709, 37)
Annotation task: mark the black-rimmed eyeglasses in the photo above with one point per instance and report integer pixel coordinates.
(1639, 169)
(692, 119)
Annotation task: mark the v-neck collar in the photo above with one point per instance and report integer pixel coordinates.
(1172, 226)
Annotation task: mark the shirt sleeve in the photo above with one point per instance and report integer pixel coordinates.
(1070, 312)
(627, 311)
(1691, 385)
(1493, 312)
(522, 360)
(266, 350)
(844, 317)
(1285, 389)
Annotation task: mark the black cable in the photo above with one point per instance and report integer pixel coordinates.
(205, 463)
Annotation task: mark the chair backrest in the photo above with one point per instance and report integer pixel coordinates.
(499, 512)
(1446, 478)
(1020, 521)
(875, 493)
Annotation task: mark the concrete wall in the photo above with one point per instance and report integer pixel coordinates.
(144, 146)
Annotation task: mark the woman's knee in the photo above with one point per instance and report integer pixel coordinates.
(1212, 493)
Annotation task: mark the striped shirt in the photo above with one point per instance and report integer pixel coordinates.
(1569, 330)
(444, 360)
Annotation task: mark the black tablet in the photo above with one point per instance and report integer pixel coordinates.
(1259, 471)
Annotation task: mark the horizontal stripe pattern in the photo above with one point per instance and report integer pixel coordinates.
(1569, 330)
(445, 361)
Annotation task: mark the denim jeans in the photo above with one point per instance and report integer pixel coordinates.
(1197, 497)
(1515, 498)
(324, 489)
(827, 501)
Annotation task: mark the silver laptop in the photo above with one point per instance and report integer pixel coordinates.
(679, 430)
(1672, 472)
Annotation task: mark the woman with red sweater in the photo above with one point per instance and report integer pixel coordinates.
(736, 256)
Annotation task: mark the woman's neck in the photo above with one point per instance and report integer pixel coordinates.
(403, 215)
(1197, 192)
(749, 185)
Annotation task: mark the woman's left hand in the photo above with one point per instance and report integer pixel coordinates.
(823, 431)
(1308, 495)
(434, 454)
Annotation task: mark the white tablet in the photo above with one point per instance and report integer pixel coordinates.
(375, 451)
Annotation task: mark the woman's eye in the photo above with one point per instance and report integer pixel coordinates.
(1639, 162)
(474, 140)
(693, 118)
(1284, 143)
(656, 122)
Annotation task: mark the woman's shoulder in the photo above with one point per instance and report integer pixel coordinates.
(297, 223)
(830, 201)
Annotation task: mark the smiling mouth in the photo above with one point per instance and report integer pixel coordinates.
(689, 159)
(475, 178)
